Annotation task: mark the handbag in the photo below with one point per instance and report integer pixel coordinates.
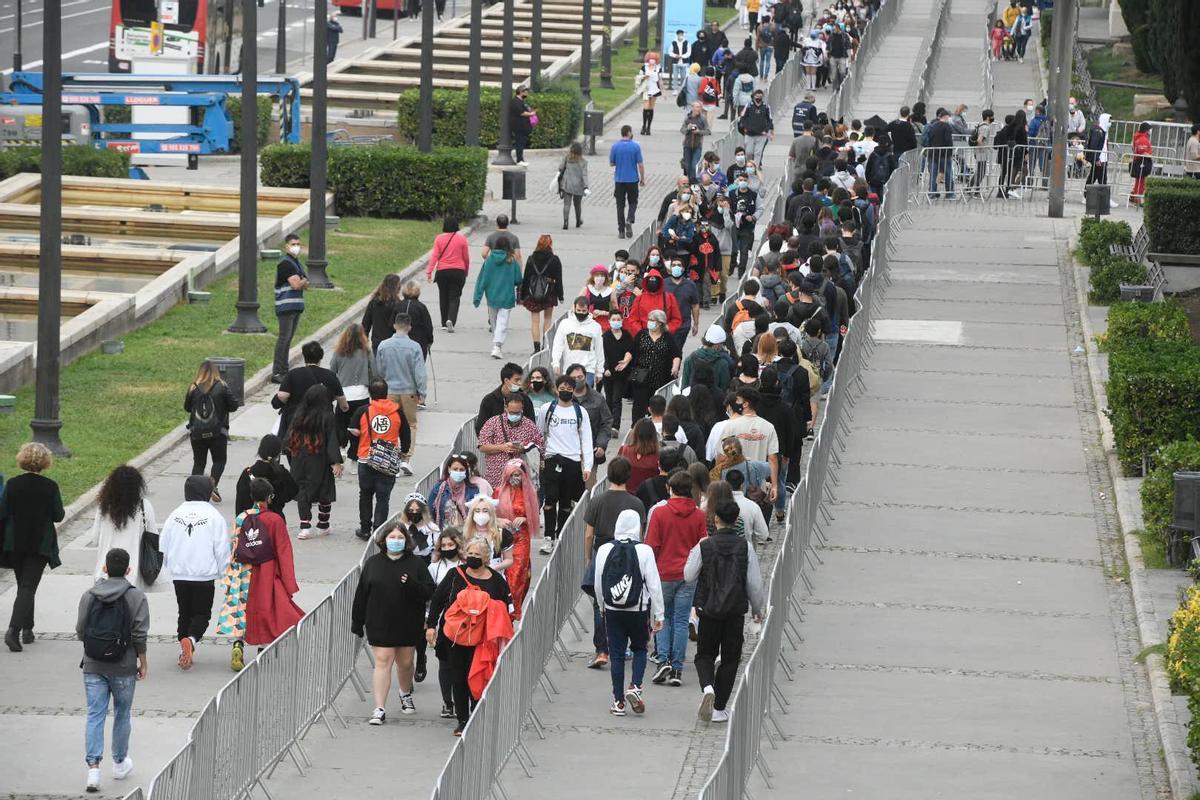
(681, 98)
(533, 120)
(639, 375)
(150, 560)
(384, 457)
(1140, 167)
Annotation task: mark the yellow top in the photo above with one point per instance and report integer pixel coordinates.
(1010, 16)
(753, 5)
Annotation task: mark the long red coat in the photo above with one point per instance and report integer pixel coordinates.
(270, 610)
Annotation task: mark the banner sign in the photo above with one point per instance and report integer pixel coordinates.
(681, 15)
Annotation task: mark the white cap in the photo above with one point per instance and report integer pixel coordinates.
(715, 334)
(628, 526)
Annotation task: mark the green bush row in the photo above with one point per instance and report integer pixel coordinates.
(559, 109)
(122, 115)
(1158, 490)
(388, 180)
(1172, 215)
(1132, 323)
(1105, 279)
(77, 160)
(1095, 237)
(1153, 399)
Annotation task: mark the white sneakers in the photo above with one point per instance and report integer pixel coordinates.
(378, 717)
(405, 468)
(122, 769)
(720, 716)
(496, 351)
(93, 779)
(547, 547)
(706, 704)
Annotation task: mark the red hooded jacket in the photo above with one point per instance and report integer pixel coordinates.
(649, 301)
(674, 530)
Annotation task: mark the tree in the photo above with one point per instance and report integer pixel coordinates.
(1187, 55)
(1136, 14)
(1164, 43)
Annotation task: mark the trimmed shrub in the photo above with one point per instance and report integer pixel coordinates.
(559, 107)
(1170, 204)
(1183, 662)
(1153, 399)
(77, 160)
(1158, 489)
(1045, 29)
(1105, 279)
(1095, 236)
(1131, 323)
(388, 180)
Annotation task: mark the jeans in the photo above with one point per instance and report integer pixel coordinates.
(27, 569)
(289, 321)
(742, 242)
(941, 163)
(678, 72)
(195, 600)
(98, 689)
(626, 193)
(498, 317)
(628, 629)
(218, 446)
(781, 489)
(722, 637)
(1022, 43)
(374, 488)
(833, 340)
(691, 160)
(672, 640)
(764, 61)
(450, 286)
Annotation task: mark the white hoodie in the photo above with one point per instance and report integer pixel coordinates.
(195, 542)
(578, 343)
(629, 528)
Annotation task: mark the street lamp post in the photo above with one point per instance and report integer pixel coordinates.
(46, 423)
(317, 277)
(606, 48)
(17, 31)
(504, 146)
(1062, 36)
(247, 303)
(425, 132)
(585, 55)
(474, 56)
(643, 30)
(281, 40)
(535, 48)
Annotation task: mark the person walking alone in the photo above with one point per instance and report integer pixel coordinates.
(629, 173)
(209, 402)
(520, 121)
(573, 183)
(402, 366)
(449, 262)
(195, 547)
(290, 282)
(757, 126)
(123, 514)
(728, 583)
(111, 669)
(498, 281)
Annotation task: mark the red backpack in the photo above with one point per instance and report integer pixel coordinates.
(466, 618)
(254, 542)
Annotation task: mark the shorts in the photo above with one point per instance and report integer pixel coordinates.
(562, 480)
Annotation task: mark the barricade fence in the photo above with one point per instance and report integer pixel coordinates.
(841, 103)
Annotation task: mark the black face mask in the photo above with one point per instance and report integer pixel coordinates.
(474, 562)
(414, 516)
(653, 283)
(581, 315)
(566, 394)
(535, 385)
(448, 554)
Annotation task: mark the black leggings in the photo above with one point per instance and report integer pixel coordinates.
(615, 389)
(218, 446)
(460, 668)
(450, 285)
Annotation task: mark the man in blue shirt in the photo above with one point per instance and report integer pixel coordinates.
(629, 172)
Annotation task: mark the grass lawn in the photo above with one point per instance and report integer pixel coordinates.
(114, 407)
(1154, 553)
(1104, 65)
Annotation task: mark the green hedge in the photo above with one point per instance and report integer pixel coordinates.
(1153, 398)
(1105, 279)
(1158, 490)
(1045, 27)
(1095, 236)
(1132, 323)
(388, 180)
(1172, 211)
(122, 114)
(77, 160)
(559, 108)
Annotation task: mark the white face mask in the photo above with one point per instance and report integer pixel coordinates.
(482, 518)
(294, 249)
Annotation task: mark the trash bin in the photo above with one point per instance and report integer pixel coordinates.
(593, 123)
(513, 184)
(1097, 199)
(233, 372)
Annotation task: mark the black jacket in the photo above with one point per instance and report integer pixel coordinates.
(756, 120)
(281, 481)
(941, 134)
(222, 397)
(746, 61)
(903, 135)
(377, 321)
(551, 267)
(772, 408)
(422, 323)
(493, 404)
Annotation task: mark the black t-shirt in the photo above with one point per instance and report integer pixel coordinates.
(686, 295)
(602, 514)
(286, 269)
(616, 349)
(652, 491)
(296, 383)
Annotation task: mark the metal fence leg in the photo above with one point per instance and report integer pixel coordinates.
(538, 727)
(559, 651)
(775, 724)
(500, 788)
(582, 626)
(780, 699)
(765, 771)
(787, 668)
(528, 756)
(547, 680)
(521, 760)
(807, 583)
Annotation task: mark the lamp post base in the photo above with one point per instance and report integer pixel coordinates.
(317, 277)
(504, 156)
(247, 319)
(45, 431)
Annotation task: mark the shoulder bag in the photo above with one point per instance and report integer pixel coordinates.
(150, 560)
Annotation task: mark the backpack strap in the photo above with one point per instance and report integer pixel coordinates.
(579, 425)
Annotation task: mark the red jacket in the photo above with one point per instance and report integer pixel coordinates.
(497, 631)
(649, 301)
(674, 530)
(270, 610)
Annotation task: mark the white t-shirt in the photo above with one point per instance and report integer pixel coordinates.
(757, 436)
(568, 431)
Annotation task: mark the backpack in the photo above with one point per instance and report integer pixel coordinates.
(254, 544)
(621, 580)
(742, 315)
(974, 138)
(465, 619)
(724, 594)
(708, 90)
(814, 375)
(108, 629)
(549, 410)
(540, 286)
(878, 170)
(205, 422)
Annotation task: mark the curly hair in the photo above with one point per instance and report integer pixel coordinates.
(121, 495)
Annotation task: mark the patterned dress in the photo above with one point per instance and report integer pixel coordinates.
(231, 620)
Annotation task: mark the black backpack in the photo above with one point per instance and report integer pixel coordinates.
(540, 285)
(108, 628)
(621, 580)
(724, 593)
(206, 420)
(839, 45)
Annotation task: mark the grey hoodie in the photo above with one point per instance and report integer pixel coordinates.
(139, 611)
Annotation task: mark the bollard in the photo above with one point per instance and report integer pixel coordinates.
(195, 296)
(270, 255)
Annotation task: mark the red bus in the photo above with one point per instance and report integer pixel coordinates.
(208, 30)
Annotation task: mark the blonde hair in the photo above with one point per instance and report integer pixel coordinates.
(480, 541)
(35, 457)
(411, 289)
(207, 376)
(491, 533)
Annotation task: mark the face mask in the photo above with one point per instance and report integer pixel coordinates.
(514, 387)
(580, 384)
(515, 480)
(566, 394)
(449, 554)
(740, 159)
(651, 325)
(294, 249)
(616, 324)
(514, 418)
(458, 475)
(742, 184)
(581, 315)
(715, 168)
(474, 562)
(1072, 107)
(686, 196)
(758, 101)
(481, 518)
(750, 170)
(1028, 109)
(413, 515)
(599, 281)
(652, 284)
(654, 259)
(394, 545)
(536, 385)
(676, 272)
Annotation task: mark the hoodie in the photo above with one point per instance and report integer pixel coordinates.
(578, 342)
(628, 529)
(716, 357)
(672, 533)
(195, 537)
(649, 301)
(106, 591)
(722, 545)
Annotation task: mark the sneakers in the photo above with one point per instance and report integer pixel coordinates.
(599, 661)
(27, 636)
(662, 673)
(13, 640)
(779, 516)
(121, 769)
(676, 677)
(449, 327)
(93, 779)
(447, 711)
(407, 706)
(720, 716)
(306, 531)
(237, 659)
(405, 468)
(633, 697)
(547, 547)
(706, 704)
(361, 533)
(187, 649)
(378, 717)
(617, 709)
(458, 729)
(216, 495)
(496, 352)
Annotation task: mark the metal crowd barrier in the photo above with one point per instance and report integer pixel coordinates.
(844, 96)
(1167, 139)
